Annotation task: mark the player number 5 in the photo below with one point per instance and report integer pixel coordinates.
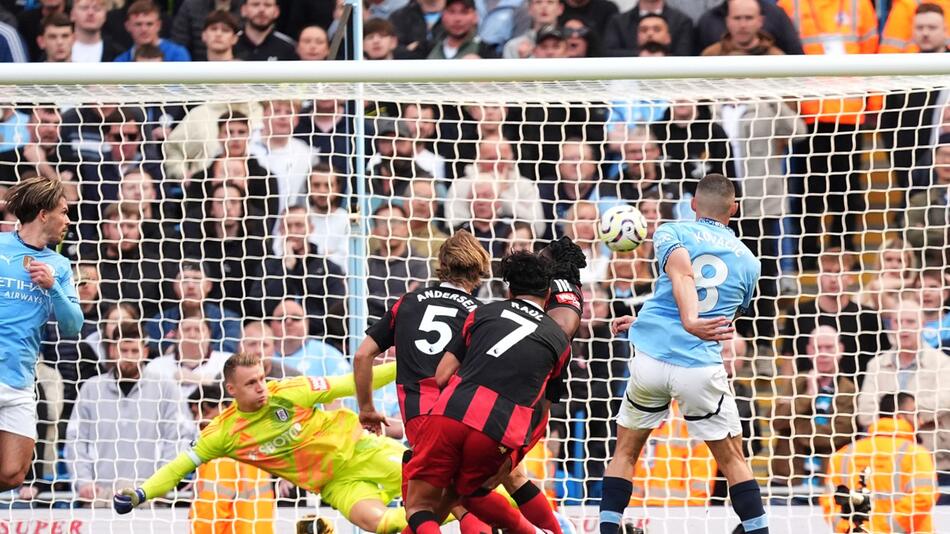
(709, 272)
(525, 328)
(431, 324)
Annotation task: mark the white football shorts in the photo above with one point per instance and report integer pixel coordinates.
(18, 411)
(702, 393)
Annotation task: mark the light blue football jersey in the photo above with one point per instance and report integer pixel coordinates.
(726, 273)
(25, 307)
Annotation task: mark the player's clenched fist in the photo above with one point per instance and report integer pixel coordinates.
(41, 274)
(127, 499)
(621, 324)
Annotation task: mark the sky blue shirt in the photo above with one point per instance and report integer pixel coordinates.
(25, 308)
(726, 273)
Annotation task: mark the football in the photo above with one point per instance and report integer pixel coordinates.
(623, 228)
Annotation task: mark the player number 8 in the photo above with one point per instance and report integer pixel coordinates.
(709, 272)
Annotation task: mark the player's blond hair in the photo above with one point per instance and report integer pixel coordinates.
(462, 259)
(238, 359)
(32, 195)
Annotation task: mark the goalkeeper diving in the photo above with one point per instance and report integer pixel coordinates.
(277, 426)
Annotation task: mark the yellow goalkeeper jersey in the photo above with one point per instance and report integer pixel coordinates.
(288, 437)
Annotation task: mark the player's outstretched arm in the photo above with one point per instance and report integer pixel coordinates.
(680, 271)
(363, 378)
(345, 385)
(160, 483)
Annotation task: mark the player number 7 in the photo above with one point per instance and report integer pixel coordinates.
(525, 328)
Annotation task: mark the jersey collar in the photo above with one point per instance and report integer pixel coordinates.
(713, 222)
(450, 285)
(16, 234)
(535, 304)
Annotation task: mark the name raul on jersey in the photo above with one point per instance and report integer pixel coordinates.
(468, 303)
(533, 312)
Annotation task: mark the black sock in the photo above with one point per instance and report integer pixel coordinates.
(525, 493)
(614, 500)
(747, 502)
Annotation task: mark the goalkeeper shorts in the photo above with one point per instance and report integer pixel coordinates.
(373, 472)
(18, 411)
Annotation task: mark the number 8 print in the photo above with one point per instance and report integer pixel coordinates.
(718, 272)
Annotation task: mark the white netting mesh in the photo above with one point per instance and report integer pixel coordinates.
(228, 200)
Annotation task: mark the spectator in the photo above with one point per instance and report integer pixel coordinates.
(914, 368)
(129, 271)
(260, 40)
(550, 43)
(818, 419)
(42, 153)
(298, 350)
(30, 24)
(328, 218)
(895, 272)
(139, 187)
(712, 26)
(258, 340)
(425, 236)
(123, 426)
(236, 166)
(313, 44)
(581, 226)
(911, 119)
(299, 271)
(144, 22)
(191, 361)
(543, 13)
(192, 287)
(418, 25)
(327, 127)
(693, 144)
(653, 29)
(744, 35)
(90, 45)
(860, 330)
(112, 317)
(934, 297)
(619, 40)
(230, 239)
(581, 40)
(287, 158)
(927, 215)
(519, 195)
(393, 269)
(640, 172)
(577, 178)
(890, 461)
(218, 37)
(907, 23)
(295, 16)
(379, 39)
(421, 122)
(56, 39)
(12, 49)
(228, 494)
(191, 23)
(758, 131)
(460, 24)
(148, 53)
(735, 360)
(831, 185)
(597, 13)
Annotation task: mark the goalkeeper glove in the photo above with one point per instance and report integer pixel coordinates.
(127, 499)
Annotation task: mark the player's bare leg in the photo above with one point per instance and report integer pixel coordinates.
(531, 500)
(618, 475)
(372, 515)
(16, 453)
(744, 491)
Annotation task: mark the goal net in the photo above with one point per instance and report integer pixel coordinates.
(283, 218)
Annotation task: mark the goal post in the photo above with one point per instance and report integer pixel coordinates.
(220, 203)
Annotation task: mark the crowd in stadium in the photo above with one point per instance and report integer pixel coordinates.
(226, 227)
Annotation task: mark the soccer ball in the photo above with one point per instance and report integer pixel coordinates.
(623, 228)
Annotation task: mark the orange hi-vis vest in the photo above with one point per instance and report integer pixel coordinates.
(899, 28)
(232, 498)
(902, 480)
(835, 27)
(673, 470)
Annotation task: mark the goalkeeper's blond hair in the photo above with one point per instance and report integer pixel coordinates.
(463, 260)
(238, 359)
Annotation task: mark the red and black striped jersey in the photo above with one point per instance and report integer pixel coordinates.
(508, 351)
(421, 324)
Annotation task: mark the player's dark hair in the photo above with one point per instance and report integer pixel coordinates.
(238, 359)
(567, 259)
(28, 197)
(928, 7)
(715, 195)
(526, 274)
(462, 259)
(891, 403)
